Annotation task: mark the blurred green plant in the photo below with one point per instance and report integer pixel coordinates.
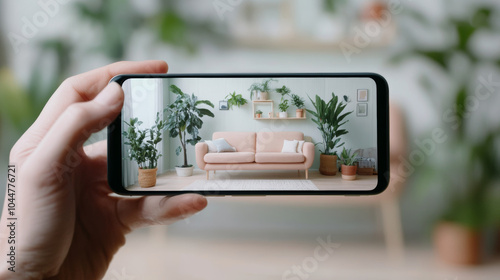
(114, 22)
(119, 21)
(467, 166)
(22, 104)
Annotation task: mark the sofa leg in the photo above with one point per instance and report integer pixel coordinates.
(307, 174)
(298, 173)
(208, 174)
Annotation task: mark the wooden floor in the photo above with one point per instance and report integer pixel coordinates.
(170, 181)
(171, 256)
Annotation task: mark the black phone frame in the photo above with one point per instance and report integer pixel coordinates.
(115, 135)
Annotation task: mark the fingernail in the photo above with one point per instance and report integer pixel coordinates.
(110, 95)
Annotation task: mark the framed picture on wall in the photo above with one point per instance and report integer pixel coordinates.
(362, 95)
(223, 105)
(362, 110)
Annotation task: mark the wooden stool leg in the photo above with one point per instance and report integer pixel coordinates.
(393, 230)
(208, 174)
(307, 174)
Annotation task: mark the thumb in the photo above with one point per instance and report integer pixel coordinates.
(77, 123)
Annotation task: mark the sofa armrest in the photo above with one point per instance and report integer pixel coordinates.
(308, 151)
(201, 149)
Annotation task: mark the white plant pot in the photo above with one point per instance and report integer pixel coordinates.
(283, 115)
(184, 171)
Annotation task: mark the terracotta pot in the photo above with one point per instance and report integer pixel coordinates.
(299, 113)
(263, 95)
(258, 116)
(456, 244)
(328, 164)
(147, 177)
(349, 172)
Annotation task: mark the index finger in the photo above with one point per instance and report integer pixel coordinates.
(86, 86)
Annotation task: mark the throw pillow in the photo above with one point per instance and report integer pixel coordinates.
(223, 146)
(290, 146)
(299, 146)
(211, 146)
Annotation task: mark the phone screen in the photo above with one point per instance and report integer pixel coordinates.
(231, 134)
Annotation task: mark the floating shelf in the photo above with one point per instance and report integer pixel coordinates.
(274, 118)
(271, 104)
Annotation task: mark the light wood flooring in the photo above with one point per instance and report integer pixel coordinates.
(170, 181)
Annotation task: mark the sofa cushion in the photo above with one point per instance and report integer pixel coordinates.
(223, 146)
(237, 157)
(242, 141)
(211, 146)
(279, 158)
(290, 146)
(271, 141)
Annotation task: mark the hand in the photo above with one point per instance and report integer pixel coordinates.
(68, 226)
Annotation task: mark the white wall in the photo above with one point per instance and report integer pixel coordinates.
(362, 130)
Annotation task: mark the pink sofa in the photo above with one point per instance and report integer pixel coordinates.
(256, 151)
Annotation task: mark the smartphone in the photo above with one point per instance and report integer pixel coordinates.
(251, 134)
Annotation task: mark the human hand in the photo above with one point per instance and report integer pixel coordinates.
(68, 226)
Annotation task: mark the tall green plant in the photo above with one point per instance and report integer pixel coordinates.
(184, 119)
(143, 142)
(329, 119)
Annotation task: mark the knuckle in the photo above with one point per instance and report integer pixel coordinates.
(77, 112)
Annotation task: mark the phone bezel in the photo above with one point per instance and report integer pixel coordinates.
(114, 136)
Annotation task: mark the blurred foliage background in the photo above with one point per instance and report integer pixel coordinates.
(434, 63)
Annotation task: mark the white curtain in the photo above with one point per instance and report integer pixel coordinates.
(129, 167)
(143, 100)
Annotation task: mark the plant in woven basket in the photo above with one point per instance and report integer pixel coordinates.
(143, 143)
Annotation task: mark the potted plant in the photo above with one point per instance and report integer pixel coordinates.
(462, 170)
(143, 150)
(283, 106)
(258, 114)
(234, 99)
(299, 103)
(349, 164)
(263, 89)
(284, 90)
(329, 118)
(184, 121)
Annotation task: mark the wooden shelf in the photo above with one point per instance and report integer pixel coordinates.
(288, 118)
(271, 104)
